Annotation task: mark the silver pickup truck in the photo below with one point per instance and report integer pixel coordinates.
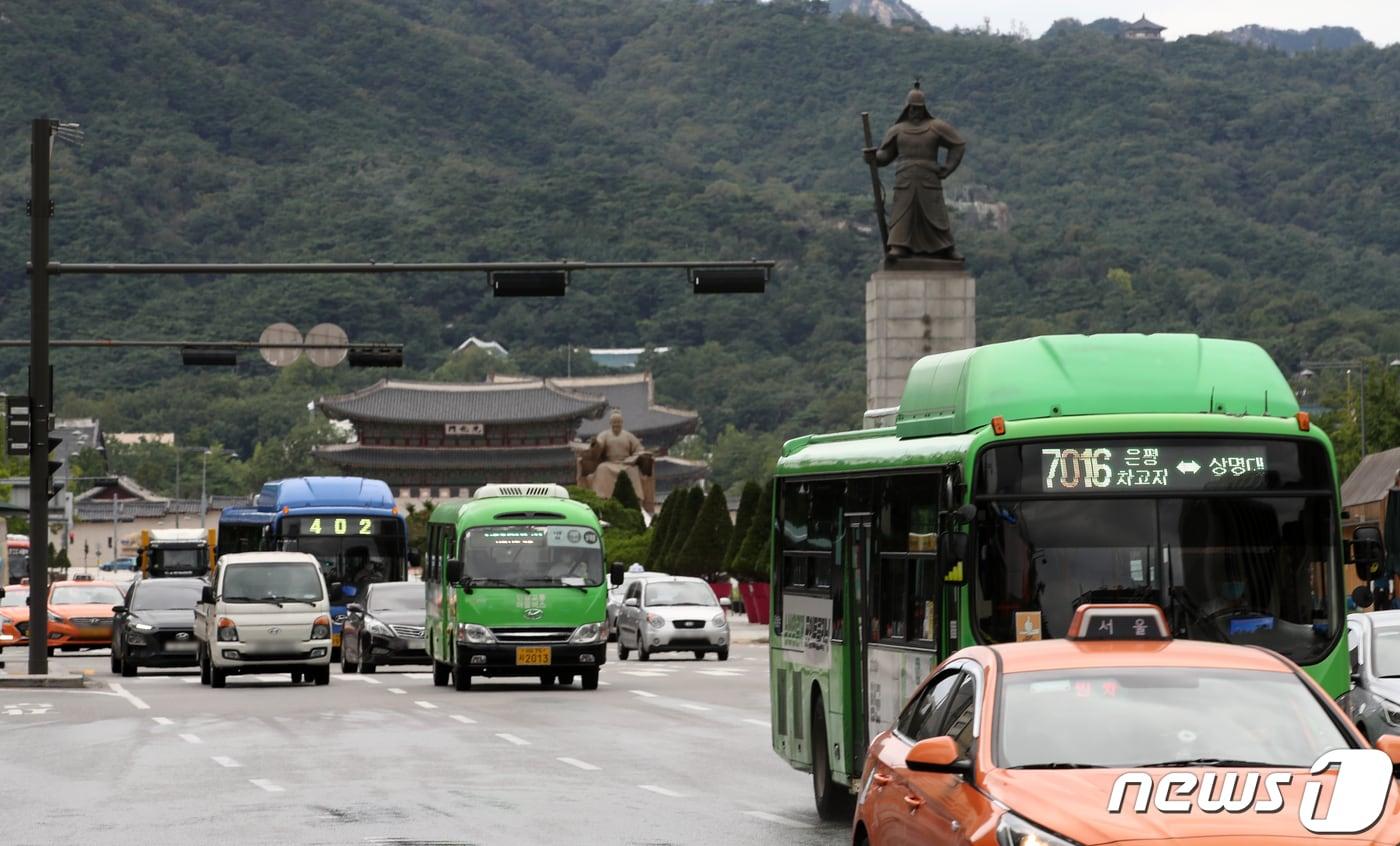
(264, 612)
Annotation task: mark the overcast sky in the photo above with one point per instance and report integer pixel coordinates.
(1377, 20)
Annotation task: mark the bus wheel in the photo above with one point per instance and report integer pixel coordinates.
(461, 679)
(296, 676)
(833, 800)
(547, 680)
(590, 679)
(567, 680)
(442, 674)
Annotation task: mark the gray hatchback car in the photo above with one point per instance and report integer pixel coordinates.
(1373, 702)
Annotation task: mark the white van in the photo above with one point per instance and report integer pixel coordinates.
(264, 612)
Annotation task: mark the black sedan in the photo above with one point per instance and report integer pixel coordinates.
(155, 628)
(386, 629)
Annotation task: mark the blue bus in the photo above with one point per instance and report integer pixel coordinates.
(349, 523)
(243, 528)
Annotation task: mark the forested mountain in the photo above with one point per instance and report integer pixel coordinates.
(1194, 185)
(1296, 41)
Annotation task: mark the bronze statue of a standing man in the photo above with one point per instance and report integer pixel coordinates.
(919, 217)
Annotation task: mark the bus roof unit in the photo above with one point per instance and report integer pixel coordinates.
(1065, 375)
(326, 492)
(551, 490)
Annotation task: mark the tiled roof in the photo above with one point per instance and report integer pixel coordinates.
(633, 394)
(1143, 24)
(413, 458)
(448, 402)
(1372, 478)
(678, 470)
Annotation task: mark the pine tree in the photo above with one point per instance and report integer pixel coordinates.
(703, 551)
(748, 503)
(659, 527)
(624, 493)
(685, 519)
(750, 559)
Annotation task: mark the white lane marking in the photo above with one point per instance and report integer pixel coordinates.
(605, 684)
(190, 680)
(574, 762)
(754, 722)
(774, 818)
(423, 703)
(750, 659)
(265, 785)
(417, 675)
(646, 693)
(720, 673)
(695, 707)
(129, 696)
(225, 762)
(163, 721)
(661, 791)
(464, 720)
(510, 738)
(646, 674)
(397, 690)
(191, 738)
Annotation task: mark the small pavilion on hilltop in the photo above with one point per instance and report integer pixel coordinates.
(1144, 30)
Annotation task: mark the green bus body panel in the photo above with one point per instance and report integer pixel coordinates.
(1043, 388)
(1070, 375)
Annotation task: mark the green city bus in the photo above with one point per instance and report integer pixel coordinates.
(1020, 480)
(515, 587)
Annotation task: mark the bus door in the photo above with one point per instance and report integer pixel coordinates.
(856, 554)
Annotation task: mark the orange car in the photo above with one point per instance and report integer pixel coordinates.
(80, 614)
(14, 616)
(1120, 735)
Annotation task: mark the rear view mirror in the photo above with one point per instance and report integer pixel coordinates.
(630, 602)
(454, 571)
(1367, 552)
(937, 755)
(615, 573)
(206, 595)
(118, 609)
(355, 608)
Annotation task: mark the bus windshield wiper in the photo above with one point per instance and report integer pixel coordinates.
(1058, 765)
(472, 581)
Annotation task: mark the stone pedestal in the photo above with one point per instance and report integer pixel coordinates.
(913, 309)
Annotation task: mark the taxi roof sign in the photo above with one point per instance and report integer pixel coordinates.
(1119, 622)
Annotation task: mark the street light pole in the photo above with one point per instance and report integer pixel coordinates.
(203, 480)
(40, 149)
(1348, 366)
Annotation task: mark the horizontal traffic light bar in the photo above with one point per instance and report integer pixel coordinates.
(529, 283)
(729, 280)
(103, 269)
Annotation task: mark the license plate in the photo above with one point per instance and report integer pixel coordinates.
(335, 639)
(532, 655)
(180, 646)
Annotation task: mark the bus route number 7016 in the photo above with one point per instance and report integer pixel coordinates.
(1071, 468)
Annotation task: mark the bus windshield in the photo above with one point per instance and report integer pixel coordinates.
(1243, 557)
(355, 551)
(534, 555)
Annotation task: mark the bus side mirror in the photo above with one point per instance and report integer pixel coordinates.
(615, 576)
(454, 571)
(414, 558)
(1367, 552)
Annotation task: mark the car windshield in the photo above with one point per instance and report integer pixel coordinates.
(13, 598)
(86, 595)
(1137, 717)
(679, 593)
(397, 597)
(1385, 652)
(534, 555)
(164, 596)
(290, 580)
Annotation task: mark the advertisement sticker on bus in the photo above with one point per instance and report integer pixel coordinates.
(807, 630)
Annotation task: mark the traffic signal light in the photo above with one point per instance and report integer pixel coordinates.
(54, 486)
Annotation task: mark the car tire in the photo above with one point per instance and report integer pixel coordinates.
(442, 674)
(590, 679)
(128, 668)
(116, 663)
(52, 651)
(217, 677)
(622, 650)
(699, 655)
(723, 654)
(346, 667)
(834, 801)
(321, 676)
(366, 667)
(204, 668)
(642, 653)
(461, 678)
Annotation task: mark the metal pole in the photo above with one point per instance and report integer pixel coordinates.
(116, 512)
(203, 479)
(1363, 410)
(177, 473)
(39, 400)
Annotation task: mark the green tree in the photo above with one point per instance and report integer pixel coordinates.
(473, 365)
(625, 494)
(688, 509)
(752, 558)
(290, 455)
(702, 554)
(748, 506)
(660, 525)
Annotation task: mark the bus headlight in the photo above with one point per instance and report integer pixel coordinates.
(588, 633)
(472, 633)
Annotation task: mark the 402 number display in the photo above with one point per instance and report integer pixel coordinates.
(340, 526)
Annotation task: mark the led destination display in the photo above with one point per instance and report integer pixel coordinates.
(1124, 467)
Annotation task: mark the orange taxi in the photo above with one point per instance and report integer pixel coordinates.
(80, 614)
(1121, 735)
(14, 616)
